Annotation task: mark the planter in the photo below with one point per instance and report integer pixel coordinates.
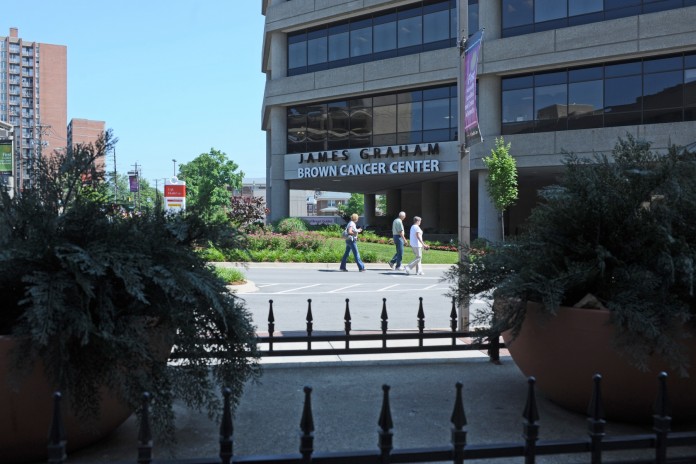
(565, 351)
(27, 409)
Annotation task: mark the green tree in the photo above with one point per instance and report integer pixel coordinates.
(502, 178)
(355, 204)
(382, 204)
(210, 179)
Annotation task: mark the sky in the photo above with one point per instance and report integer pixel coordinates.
(172, 78)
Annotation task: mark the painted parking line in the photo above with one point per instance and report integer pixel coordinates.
(298, 288)
(387, 288)
(343, 288)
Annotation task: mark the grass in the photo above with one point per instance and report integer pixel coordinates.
(231, 276)
(384, 253)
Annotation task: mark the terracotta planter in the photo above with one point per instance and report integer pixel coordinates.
(564, 352)
(27, 410)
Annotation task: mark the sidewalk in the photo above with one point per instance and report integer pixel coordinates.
(346, 403)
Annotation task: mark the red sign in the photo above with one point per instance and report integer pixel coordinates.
(173, 190)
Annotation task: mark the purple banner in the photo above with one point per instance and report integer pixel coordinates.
(472, 133)
(133, 181)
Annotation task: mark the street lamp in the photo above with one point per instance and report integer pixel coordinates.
(174, 161)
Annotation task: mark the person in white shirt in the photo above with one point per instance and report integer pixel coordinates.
(417, 245)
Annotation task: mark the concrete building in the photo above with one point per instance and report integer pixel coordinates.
(33, 99)
(361, 96)
(86, 131)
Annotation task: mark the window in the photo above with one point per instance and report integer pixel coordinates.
(527, 16)
(408, 117)
(427, 25)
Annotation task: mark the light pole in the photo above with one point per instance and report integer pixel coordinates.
(174, 161)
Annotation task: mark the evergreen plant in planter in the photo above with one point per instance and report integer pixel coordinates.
(617, 234)
(97, 299)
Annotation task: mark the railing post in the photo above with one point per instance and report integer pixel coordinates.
(385, 322)
(530, 428)
(310, 325)
(458, 420)
(347, 325)
(145, 432)
(226, 429)
(271, 325)
(595, 421)
(307, 427)
(453, 322)
(494, 347)
(421, 321)
(385, 440)
(56, 434)
(662, 421)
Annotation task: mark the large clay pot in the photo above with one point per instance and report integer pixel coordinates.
(565, 351)
(26, 411)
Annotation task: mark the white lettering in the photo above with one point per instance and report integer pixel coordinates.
(381, 168)
(343, 170)
(435, 165)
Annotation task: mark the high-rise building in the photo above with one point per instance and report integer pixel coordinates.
(86, 131)
(362, 96)
(33, 99)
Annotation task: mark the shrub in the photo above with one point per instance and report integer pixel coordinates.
(306, 242)
(290, 225)
(230, 275)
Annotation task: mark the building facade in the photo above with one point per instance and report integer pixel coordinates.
(33, 99)
(85, 132)
(362, 96)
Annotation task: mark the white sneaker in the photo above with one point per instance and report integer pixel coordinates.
(420, 273)
(407, 271)
(401, 268)
(391, 265)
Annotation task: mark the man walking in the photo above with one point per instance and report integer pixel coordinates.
(399, 240)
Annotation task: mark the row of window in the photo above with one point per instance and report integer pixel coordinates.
(414, 116)
(426, 25)
(527, 16)
(647, 91)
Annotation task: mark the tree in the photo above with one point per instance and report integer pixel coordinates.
(355, 204)
(210, 179)
(382, 205)
(502, 178)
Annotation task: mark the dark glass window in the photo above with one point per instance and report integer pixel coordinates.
(517, 13)
(581, 7)
(649, 91)
(386, 119)
(546, 10)
(385, 36)
(427, 25)
(662, 90)
(472, 18)
(436, 26)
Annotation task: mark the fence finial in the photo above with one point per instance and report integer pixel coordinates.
(307, 427)
(530, 428)
(662, 422)
(145, 432)
(385, 441)
(56, 435)
(385, 322)
(595, 421)
(421, 321)
(226, 428)
(458, 420)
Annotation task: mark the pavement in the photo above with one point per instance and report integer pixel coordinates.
(346, 402)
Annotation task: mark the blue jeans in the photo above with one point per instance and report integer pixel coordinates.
(399, 256)
(352, 246)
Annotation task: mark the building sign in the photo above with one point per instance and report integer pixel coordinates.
(133, 183)
(472, 133)
(6, 157)
(174, 195)
(372, 161)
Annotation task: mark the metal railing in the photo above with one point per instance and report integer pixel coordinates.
(593, 448)
(271, 344)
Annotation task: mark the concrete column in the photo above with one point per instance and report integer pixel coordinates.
(279, 59)
(393, 203)
(429, 205)
(489, 106)
(490, 17)
(278, 199)
(488, 217)
(370, 203)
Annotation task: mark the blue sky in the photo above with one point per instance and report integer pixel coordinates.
(172, 78)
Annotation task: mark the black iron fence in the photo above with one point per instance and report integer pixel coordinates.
(592, 448)
(273, 344)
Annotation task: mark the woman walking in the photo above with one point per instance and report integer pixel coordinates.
(352, 244)
(417, 245)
